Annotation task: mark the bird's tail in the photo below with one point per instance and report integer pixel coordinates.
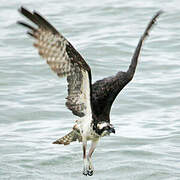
(74, 135)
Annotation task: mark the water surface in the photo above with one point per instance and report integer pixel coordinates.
(146, 113)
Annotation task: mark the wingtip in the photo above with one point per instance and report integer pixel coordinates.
(20, 9)
(159, 13)
(18, 22)
(24, 11)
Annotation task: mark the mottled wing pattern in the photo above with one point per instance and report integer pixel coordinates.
(63, 60)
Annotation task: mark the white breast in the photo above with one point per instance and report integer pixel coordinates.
(86, 130)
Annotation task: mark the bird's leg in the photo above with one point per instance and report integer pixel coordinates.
(91, 150)
(85, 168)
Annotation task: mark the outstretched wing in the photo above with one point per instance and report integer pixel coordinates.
(64, 60)
(105, 91)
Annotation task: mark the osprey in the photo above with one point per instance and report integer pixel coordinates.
(90, 102)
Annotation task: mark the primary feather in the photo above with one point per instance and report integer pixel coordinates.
(64, 60)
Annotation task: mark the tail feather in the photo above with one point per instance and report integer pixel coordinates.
(68, 138)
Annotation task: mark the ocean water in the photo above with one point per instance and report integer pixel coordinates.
(146, 114)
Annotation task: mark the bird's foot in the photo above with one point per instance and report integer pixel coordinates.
(85, 172)
(85, 168)
(88, 169)
(90, 172)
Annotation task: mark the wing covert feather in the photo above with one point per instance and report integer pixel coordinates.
(64, 60)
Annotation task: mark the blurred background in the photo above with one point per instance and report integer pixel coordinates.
(146, 113)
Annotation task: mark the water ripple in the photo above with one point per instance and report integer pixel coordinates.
(145, 114)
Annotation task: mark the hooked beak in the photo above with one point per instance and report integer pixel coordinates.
(111, 130)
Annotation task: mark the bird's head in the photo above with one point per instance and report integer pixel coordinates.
(105, 128)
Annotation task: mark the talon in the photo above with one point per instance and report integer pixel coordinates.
(85, 173)
(90, 172)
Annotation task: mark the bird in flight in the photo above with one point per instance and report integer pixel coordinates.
(91, 103)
